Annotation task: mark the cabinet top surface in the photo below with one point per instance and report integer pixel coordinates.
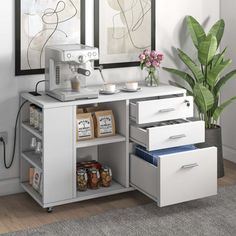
(45, 101)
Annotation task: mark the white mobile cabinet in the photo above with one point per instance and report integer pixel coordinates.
(178, 177)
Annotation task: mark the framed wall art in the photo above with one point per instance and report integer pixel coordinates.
(40, 23)
(122, 29)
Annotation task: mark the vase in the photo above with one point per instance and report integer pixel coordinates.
(152, 79)
(213, 138)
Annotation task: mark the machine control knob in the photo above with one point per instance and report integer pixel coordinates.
(81, 59)
(68, 55)
(94, 54)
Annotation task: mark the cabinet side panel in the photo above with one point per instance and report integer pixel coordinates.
(58, 153)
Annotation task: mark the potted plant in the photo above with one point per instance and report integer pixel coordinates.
(205, 80)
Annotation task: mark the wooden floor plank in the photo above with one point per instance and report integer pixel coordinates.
(20, 211)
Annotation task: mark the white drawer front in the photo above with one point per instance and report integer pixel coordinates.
(187, 176)
(161, 137)
(145, 112)
(179, 177)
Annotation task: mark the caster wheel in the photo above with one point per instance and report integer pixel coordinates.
(49, 210)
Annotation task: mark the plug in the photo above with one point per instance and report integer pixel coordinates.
(3, 137)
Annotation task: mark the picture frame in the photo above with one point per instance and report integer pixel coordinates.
(39, 23)
(114, 34)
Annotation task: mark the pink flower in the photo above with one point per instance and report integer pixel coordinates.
(142, 57)
(150, 59)
(147, 52)
(155, 64)
(153, 54)
(160, 57)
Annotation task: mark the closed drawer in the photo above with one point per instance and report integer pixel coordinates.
(144, 112)
(167, 136)
(178, 177)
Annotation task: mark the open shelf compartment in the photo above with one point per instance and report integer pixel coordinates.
(32, 130)
(33, 159)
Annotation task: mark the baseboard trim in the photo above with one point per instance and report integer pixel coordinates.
(229, 153)
(10, 186)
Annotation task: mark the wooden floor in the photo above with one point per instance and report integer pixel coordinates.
(19, 211)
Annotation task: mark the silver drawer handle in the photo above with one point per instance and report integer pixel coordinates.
(177, 136)
(166, 110)
(189, 166)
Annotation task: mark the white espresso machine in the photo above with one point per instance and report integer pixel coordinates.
(65, 63)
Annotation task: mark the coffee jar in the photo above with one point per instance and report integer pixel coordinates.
(82, 180)
(106, 176)
(93, 178)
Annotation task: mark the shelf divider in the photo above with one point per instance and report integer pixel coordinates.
(115, 188)
(32, 130)
(33, 159)
(100, 141)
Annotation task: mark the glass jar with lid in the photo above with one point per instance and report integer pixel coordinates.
(106, 176)
(82, 180)
(93, 178)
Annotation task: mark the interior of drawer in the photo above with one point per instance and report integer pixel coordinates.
(156, 98)
(152, 157)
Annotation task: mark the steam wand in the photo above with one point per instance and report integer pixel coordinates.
(100, 68)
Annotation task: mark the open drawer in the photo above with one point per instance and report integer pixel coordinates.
(144, 112)
(157, 137)
(178, 177)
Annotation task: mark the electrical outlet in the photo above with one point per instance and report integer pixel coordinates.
(4, 135)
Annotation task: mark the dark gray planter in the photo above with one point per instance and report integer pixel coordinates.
(213, 138)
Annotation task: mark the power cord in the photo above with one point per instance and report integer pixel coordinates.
(35, 93)
(14, 143)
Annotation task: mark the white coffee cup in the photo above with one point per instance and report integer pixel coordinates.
(109, 88)
(131, 85)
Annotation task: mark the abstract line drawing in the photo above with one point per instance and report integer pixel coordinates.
(123, 28)
(43, 23)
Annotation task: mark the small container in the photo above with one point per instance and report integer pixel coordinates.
(82, 180)
(38, 148)
(32, 108)
(33, 143)
(106, 176)
(93, 178)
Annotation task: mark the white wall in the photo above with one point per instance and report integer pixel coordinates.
(229, 115)
(170, 33)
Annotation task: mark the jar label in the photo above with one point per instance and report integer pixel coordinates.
(84, 128)
(105, 124)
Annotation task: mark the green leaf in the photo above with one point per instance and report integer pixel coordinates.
(189, 93)
(196, 31)
(215, 105)
(217, 30)
(203, 98)
(218, 58)
(220, 109)
(224, 80)
(207, 50)
(214, 73)
(191, 65)
(183, 75)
